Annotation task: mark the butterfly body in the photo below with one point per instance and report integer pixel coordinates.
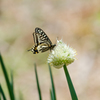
(42, 42)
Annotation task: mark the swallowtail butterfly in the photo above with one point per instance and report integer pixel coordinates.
(42, 42)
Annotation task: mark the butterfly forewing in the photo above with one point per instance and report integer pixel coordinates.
(42, 36)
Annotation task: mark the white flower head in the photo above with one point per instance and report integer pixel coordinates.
(61, 54)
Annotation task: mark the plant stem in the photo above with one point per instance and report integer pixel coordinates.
(52, 83)
(37, 81)
(70, 84)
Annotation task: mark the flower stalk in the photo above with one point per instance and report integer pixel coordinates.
(70, 84)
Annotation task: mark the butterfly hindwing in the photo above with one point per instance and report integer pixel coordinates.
(43, 47)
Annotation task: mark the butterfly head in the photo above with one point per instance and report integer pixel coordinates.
(52, 46)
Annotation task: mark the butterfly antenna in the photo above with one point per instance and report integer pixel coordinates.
(29, 49)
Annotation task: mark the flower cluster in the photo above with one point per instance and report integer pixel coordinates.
(62, 54)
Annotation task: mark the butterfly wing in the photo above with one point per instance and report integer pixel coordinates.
(43, 47)
(35, 38)
(42, 37)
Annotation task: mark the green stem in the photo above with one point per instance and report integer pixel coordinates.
(2, 93)
(37, 81)
(70, 84)
(52, 83)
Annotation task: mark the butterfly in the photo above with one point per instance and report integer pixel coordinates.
(42, 42)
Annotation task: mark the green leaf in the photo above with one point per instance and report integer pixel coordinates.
(37, 81)
(12, 85)
(7, 79)
(53, 94)
(70, 84)
(2, 93)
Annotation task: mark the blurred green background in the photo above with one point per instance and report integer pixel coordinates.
(77, 22)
